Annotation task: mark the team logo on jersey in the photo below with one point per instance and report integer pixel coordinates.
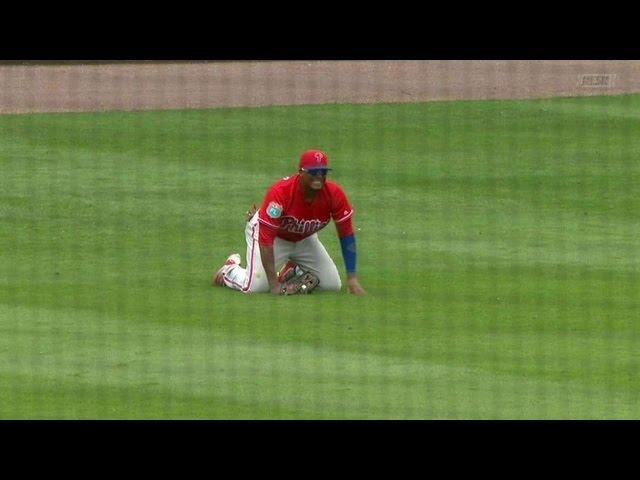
(302, 227)
(274, 210)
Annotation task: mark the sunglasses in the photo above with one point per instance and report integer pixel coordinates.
(317, 171)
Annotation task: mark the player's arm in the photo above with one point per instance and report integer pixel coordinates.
(342, 213)
(269, 264)
(269, 217)
(349, 254)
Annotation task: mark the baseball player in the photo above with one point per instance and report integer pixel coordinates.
(284, 230)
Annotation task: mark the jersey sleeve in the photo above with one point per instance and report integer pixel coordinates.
(270, 216)
(345, 228)
(341, 209)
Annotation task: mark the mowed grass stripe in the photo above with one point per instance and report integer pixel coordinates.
(97, 357)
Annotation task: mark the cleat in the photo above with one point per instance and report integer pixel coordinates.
(232, 260)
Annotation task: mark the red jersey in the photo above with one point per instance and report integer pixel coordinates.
(286, 214)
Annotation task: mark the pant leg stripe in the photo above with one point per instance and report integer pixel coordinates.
(251, 269)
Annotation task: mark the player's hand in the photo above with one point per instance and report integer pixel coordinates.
(354, 287)
(276, 289)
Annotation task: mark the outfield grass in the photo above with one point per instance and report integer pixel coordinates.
(498, 241)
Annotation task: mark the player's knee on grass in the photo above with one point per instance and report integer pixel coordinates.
(329, 280)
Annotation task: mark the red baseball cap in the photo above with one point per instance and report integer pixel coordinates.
(311, 159)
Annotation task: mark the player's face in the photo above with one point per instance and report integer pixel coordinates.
(314, 178)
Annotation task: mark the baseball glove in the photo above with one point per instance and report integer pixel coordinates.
(296, 280)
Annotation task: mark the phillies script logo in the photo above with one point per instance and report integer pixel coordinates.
(303, 227)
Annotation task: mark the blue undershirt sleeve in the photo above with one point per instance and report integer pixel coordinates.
(349, 252)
